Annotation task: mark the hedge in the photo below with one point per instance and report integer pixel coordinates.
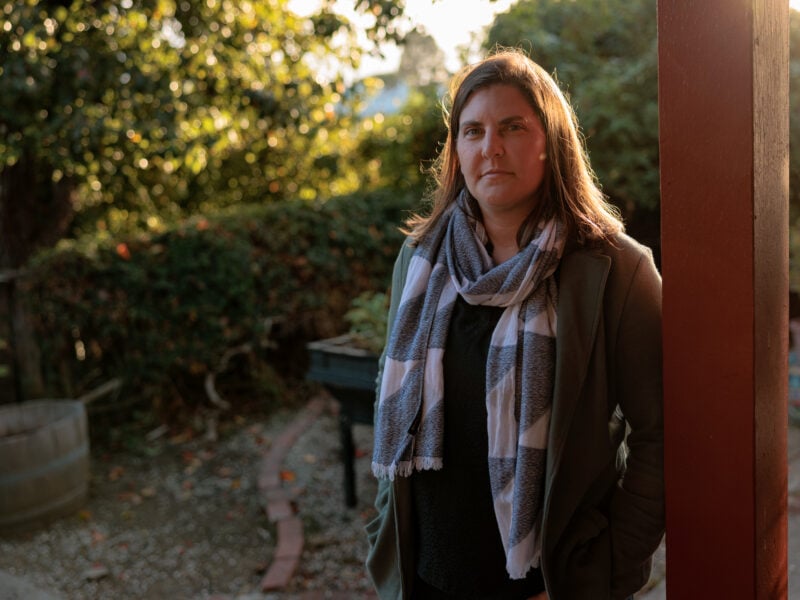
(161, 311)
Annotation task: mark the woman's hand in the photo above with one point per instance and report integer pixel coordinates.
(541, 596)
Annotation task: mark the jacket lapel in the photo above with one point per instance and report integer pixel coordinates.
(582, 280)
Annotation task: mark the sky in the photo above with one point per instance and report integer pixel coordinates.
(450, 22)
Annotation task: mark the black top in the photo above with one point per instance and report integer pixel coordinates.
(459, 547)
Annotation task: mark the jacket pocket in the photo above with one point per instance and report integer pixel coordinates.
(586, 555)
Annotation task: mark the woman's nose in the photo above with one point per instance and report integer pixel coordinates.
(492, 145)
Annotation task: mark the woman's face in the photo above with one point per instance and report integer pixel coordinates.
(501, 150)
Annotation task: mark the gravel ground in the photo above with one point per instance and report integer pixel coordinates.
(181, 518)
(335, 542)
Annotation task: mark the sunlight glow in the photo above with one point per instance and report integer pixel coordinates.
(452, 23)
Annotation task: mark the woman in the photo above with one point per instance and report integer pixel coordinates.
(518, 431)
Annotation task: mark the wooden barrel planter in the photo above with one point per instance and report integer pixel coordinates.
(44, 462)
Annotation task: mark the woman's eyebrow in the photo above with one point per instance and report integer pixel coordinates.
(504, 121)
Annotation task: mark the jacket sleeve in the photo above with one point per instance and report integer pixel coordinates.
(382, 562)
(637, 506)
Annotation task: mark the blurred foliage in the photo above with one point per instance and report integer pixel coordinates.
(397, 150)
(609, 70)
(156, 108)
(161, 311)
(160, 109)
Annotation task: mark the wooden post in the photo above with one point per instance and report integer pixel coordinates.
(723, 97)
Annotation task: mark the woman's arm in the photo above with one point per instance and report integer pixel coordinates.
(637, 508)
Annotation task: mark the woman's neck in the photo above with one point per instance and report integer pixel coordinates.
(503, 236)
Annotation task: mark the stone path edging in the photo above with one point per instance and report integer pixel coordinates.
(276, 500)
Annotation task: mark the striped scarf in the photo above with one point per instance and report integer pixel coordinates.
(451, 260)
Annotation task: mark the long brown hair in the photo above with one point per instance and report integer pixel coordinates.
(569, 190)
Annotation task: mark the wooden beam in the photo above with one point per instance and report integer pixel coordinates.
(723, 98)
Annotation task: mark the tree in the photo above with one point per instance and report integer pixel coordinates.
(609, 70)
(127, 112)
(422, 61)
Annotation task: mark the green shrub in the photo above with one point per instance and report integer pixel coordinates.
(156, 312)
(161, 311)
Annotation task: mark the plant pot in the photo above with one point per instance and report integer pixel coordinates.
(338, 362)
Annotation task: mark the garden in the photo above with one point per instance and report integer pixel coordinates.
(189, 195)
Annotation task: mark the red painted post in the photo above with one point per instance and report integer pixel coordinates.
(723, 97)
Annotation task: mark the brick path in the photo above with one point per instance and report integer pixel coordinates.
(277, 501)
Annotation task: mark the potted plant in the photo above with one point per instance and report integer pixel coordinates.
(347, 366)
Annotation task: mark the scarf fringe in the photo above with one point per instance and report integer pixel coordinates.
(405, 468)
(522, 571)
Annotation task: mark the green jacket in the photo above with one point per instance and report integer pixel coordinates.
(604, 499)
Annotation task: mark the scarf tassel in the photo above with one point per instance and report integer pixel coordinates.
(402, 466)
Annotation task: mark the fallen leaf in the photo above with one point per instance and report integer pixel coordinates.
(225, 472)
(287, 476)
(84, 515)
(236, 484)
(98, 537)
(182, 437)
(148, 492)
(115, 473)
(131, 497)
